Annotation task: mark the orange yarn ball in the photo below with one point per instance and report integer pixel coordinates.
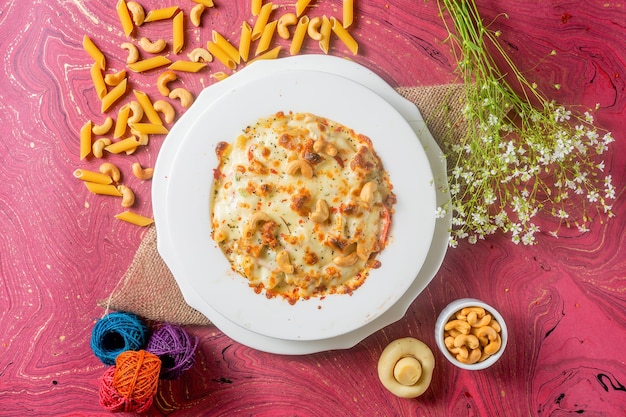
(137, 374)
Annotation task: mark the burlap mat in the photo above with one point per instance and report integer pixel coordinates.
(148, 288)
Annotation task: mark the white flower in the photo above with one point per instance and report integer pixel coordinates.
(592, 196)
(440, 213)
(472, 239)
(528, 238)
(453, 243)
(562, 214)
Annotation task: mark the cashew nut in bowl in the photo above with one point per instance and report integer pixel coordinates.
(461, 326)
(473, 357)
(405, 367)
(471, 334)
(468, 340)
(474, 320)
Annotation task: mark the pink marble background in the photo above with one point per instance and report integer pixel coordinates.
(61, 250)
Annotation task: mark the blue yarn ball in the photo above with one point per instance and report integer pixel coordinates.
(115, 333)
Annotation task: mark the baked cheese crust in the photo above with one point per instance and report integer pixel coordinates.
(301, 206)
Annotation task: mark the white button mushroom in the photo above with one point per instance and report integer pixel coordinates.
(406, 367)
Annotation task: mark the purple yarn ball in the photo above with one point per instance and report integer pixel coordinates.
(175, 348)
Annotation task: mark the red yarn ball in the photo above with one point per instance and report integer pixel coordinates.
(112, 400)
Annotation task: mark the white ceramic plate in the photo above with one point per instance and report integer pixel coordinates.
(189, 180)
(438, 245)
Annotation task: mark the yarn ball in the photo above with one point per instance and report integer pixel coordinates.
(112, 400)
(137, 374)
(175, 348)
(115, 333)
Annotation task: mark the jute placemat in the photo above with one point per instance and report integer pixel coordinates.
(148, 288)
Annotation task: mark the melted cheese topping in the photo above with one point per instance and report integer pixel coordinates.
(300, 206)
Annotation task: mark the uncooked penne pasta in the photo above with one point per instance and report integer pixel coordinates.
(134, 218)
(301, 5)
(112, 96)
(148, 108)
(298, 35)
(347, 13)
(205, 3)
(244, 41)
(120, 122)
(95, 53)
(125, 18)
(219, 76)
(325, 30)
(271, 54)
(123, 145)
(266, 37)
(255, 7)
(92, 176)
(178, 30)
(148, 128)
(98, 81)
(149, 63)
(187, 66)
(226, 46)
(221, 56)
(161, 14)
(344, 35)
(102, 189)
(85, 140)
(261, 21)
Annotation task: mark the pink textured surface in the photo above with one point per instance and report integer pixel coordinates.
(564, 299)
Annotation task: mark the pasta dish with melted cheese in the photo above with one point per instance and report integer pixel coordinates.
(301, 206)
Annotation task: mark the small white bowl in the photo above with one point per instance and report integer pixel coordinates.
(448, 312)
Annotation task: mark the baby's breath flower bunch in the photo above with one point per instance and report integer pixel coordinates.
(519, 153)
